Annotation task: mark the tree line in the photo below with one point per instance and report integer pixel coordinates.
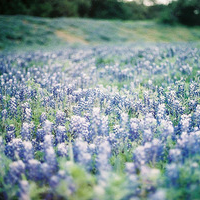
(179, 11)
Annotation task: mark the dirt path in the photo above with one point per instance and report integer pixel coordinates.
(68, 37)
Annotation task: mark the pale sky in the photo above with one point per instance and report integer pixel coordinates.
(146, 2)
(163, 1)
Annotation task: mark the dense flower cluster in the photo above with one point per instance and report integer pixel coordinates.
(100, 123)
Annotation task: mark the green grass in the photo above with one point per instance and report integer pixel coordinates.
(27, 32)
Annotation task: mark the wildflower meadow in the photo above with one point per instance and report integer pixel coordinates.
(104, 122)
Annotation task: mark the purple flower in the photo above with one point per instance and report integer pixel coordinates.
(13, 149)
(175, 155)
(16, 169)
(50, 158)
(43, 118)
(79, 127)
(34, 169)
(10, 134)
(61, 134)
(62, 149)
(60, 118)
(27, 151)
(2, 147)
(134, 128)
(12, 107)
(47, 127)
(26, 131)
(104, 153)
(81, 153)
(4, 114)
(172, 173)
(24, 190)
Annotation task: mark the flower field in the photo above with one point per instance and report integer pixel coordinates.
(106, 122)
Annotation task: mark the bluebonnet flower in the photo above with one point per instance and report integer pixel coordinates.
(175, 155)
(172, 173)
(149, 177)
(150, 152)
(117, 131)
(62, 149)
(16, 169)
(54, 181)
(134, 129)
(146, 98)
(50, 158)
(2, 147)
(27, 115)
(43, 117)
(161, 112)
(156, 151)
(56, 90)
(22, 93)
(139, 156)
(181, 89)
(13, 149)
(34, 169)
(24, 190)
(192, 104)
(124, 124)
(60, 118)
(47, 127)
(10, 133)
(61, 134)
(147, 136)
(77, 110)
(33, 94)
(26, 131)
(46, 171)
(40, 135)
(149, 122)
(81, 153)
(99, 124)
(189, 144)
(92, 148)
(185, 123)
(193, 88)
(130, 168)
(104, 126)
(27, 151)
(177, 107)
(104, 153)
(4, 114)
(79, 127)
(12, 107)
(166, 130)
(197, 116)
(158, 195)
(48, 141)
(52, 103)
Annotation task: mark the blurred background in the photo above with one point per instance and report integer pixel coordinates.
(167, 11)
(54, 23)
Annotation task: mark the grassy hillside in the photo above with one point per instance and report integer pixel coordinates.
(24, 31)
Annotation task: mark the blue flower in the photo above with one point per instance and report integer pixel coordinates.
(24, 193)
(16, 169)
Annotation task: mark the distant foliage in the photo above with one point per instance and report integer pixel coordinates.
(109, 9)
(182, 11)
(46, 8)
(106, 9)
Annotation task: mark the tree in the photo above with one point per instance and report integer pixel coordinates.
(183, 11)
(109, 9)
(188, 12)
